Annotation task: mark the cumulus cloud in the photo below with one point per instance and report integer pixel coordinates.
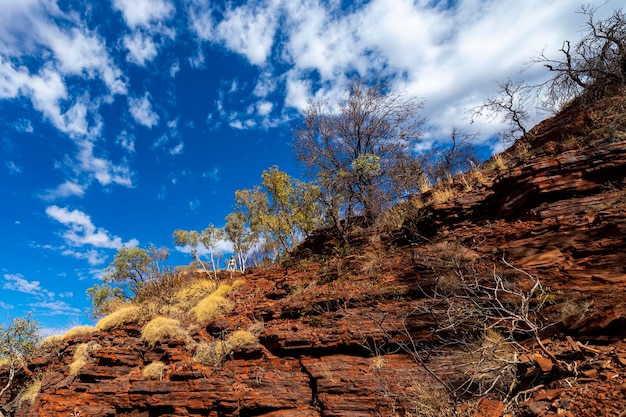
(435, 51)
(81, 231)
(143, 12)
(93, 257)
(17, 282)
(141, 48)
(141, 110)
(66, 189)
(126, 141)
(103, 170)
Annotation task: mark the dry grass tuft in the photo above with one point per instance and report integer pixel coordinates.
(161, 329)
(238, 283)
(424, 399)
(32, 390)
(81, 356)
(492, 364)
(222, 290)
(79, 331)
(125, 315)
(214, 305)
(211, 354)
(239, 339)
(154, 370)
(214, 353)
(189, 297)
(442, 194)
(52, 341)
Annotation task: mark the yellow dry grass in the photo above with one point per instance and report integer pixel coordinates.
(214, 305)
(161, 329)
(189, 297)
(214, 353)
(442, 194)
(154, 370)
(125, 315)
(81, 356)
(32, 391)
(79, 331)
(51, 341)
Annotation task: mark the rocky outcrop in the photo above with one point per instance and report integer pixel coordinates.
(358, 333)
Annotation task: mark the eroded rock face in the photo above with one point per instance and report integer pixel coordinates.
(336, 330)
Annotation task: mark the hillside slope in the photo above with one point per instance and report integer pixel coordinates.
(507, 296)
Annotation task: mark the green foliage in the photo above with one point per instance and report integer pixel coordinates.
(242, 237)
(19, 340)
(208, 238)
(102, 297)
(281, 209)
(131, 268)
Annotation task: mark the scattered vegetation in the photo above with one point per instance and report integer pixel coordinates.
(194, 240)
(280, 211)
(154, 370)
(359, 149)
(79, 331)
(214, 353)
(162, 329)
(81, 356)
(32, 390)
(124, 315)
(18, 341)
(213, 306)
(51, 341)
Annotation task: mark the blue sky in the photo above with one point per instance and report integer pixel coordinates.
(123, 120)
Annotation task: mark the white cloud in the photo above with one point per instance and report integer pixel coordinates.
(16, 282)
(6, 306)
(449, 54)
(79, 52)
(13, 168)
(265, 108)
(55, 308)
(194, 204)
(67, 189)
(103, 170)
(126, 141)
(81, 231)
(144, 12)
(178, 149)
(24, 125)
(93, 257)
(141, 110)
(250, 29)
(213, 174)
(141, 48)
